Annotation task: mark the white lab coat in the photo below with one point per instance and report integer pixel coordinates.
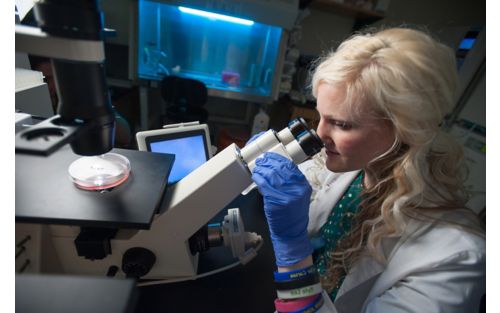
(430, 268)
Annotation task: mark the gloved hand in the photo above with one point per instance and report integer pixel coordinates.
(286, 194)
(254, 137)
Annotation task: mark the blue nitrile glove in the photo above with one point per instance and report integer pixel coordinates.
(286, 194)
(254, 137)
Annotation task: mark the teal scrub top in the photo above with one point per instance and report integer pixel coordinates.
(338, 224)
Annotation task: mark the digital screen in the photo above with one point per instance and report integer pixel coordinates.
(189, 154)
(467, 43)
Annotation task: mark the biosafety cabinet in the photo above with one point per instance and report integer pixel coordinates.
(236, 48)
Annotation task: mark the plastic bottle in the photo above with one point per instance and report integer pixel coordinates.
(260, 122)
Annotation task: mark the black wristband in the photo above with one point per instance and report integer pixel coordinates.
(304, 281)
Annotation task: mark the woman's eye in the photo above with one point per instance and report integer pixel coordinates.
(343, 125)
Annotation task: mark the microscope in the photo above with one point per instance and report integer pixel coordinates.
(178, 232)
(71, 34)
(170, 247)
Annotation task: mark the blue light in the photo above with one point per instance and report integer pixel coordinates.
(467, 43)
(216, 16)
(189, 155)
(201, 48)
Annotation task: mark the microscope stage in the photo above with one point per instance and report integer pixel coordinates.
(45, 193)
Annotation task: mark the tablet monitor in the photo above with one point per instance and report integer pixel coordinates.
(190, 144)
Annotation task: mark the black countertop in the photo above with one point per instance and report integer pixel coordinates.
(76, 294)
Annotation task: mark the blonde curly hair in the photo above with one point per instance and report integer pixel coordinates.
(410, 79)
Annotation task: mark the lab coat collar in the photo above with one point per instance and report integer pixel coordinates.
(328, 192)
(356, 290)
(361, 278)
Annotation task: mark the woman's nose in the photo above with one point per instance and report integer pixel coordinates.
(320, 130)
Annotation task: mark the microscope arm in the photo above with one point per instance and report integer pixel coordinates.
(33, 40)
(198, 197)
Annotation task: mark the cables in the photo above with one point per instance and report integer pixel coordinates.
(249, 255)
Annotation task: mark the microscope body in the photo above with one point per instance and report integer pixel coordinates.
(187, 206)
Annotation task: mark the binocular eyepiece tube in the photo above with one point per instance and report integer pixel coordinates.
(296, 141)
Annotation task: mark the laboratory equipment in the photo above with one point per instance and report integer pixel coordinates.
(157, 234)
(32, 94)
(189, 142)
(467, 122)
(72, 36)
(235, 49)
(100, 172)
(178, 232)
(185, 99)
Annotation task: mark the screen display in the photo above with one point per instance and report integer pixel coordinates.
(189, 154)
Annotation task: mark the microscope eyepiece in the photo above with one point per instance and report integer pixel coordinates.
(297, 126)
(307, 138)
(310, 142)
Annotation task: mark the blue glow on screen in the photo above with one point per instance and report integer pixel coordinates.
(467, 43)
(189, 155)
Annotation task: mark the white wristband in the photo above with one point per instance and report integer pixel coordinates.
(300, 292)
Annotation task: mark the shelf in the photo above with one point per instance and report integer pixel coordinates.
(362, 16)
(346, 9)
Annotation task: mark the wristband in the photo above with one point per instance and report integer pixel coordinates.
(292, 275)
(300, 292)
(313, 307)
(293, 305)
(303, 281)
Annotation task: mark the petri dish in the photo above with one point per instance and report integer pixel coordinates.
(99, 172)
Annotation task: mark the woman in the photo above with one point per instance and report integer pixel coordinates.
(385, 227)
